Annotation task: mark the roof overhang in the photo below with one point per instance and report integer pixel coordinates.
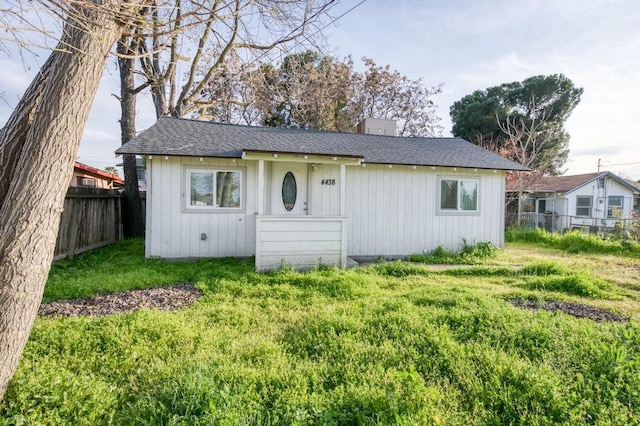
(300, 157)
(98, 173)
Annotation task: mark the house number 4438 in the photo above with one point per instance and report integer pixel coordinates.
(328, 182)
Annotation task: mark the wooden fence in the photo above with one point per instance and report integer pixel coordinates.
(91, 219)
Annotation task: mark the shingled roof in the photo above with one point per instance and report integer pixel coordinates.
(181, 137)
(563, 184)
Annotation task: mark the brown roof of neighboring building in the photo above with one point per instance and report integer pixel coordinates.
(98, 173)
(633, 182)
(562, 184)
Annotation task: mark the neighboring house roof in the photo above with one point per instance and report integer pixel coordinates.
(139, 163)
(98, 173)
(564, 184)
(175, 136)
(633, 183)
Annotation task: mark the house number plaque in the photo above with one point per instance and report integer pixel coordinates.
(328, 182)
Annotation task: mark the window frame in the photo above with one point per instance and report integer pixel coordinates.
(620, 206)
(214, 170)
(590, 207)
(458, 210)
(86, 182)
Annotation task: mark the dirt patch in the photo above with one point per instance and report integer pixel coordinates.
(577, 310)
(170, 298)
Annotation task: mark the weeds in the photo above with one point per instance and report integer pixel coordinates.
(395, 343)
(470, 254)
(574, 242)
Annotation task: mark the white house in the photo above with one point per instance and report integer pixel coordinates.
(302, 197)
(592, 200)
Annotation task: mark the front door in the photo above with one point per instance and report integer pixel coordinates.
(289, 188)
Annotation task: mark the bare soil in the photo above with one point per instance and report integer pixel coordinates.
(169, 298)
(577, 310)
(178, 296)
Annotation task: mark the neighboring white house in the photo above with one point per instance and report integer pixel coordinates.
(302, 197)
(592, 200)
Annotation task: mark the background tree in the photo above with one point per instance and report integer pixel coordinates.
(227, 98)
(546, 100)
(38, 146)
(310, 90)
(387, 94)
(525, 143)
(213, 39)
(112, 170)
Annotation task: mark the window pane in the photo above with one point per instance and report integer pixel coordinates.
(615, 206)
(615, 201)
(583, 206)
(228, 189)
(469, 194)
(584, 201)
(542, 206)
(289, 191)
(448, 194)
(201, 184)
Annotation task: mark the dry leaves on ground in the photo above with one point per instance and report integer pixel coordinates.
(169, 298)
(577, 310)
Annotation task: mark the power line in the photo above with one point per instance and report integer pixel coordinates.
(625, 164)
(619, 164)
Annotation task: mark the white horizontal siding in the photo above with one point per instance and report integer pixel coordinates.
(300, 241)
(393, 211)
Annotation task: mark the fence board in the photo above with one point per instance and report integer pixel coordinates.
(91, 219)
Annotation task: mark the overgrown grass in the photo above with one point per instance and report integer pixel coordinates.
(573, 241)
(395, 343)
(122, 266)
(546, 276)
(470, 254)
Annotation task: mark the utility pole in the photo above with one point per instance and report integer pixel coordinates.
(599, 164)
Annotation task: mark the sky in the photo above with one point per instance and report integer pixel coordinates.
(464, 45)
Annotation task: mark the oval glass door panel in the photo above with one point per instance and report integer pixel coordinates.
(289, 191)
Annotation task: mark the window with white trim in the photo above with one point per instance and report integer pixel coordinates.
(458, 195)
(87, 182)
(214, 189)
(583, 206)
(614, 204)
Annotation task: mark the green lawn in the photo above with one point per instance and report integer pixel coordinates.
(394, 343)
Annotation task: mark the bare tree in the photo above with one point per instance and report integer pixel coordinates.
(526, 142)
(217, 29)
(308, 90)
(230, 95)
(127, 49)
(38, 146)
(215, 39)
(383, 93)
(18, 22)
(321, 92)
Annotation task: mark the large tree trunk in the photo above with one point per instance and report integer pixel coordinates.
(39, 143)
(134, 222)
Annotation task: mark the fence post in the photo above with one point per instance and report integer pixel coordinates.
(73, 228)
(91, 219)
